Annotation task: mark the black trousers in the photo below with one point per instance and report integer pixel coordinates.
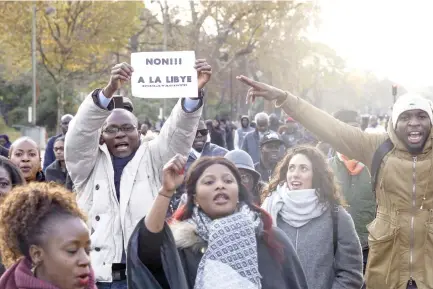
(364, 258)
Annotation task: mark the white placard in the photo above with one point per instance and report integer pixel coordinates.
(164, 74)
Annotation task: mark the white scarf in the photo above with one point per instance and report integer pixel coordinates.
(296, 208)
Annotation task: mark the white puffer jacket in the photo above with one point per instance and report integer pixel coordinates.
(90, 167)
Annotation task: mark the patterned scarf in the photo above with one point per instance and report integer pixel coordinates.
(230, 261)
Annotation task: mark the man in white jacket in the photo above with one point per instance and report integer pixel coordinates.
(117, 181)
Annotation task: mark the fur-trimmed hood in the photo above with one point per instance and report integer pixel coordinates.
(185, 235)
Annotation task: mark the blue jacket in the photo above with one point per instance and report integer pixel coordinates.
(209, 150)
(49, 156)
(251, 145)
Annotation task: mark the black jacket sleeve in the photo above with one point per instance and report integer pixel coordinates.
(153, 261)
(4, 152)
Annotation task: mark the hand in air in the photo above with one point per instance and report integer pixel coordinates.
(204, 72)
(173, 174)
(260, 89)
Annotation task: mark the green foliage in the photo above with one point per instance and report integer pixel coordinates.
(12, 133)
(79, 41)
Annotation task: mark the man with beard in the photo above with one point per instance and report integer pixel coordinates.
(269, 155)
(242, 131)
(401, 236)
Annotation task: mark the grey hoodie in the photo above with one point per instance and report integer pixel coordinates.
(314, 245)
(241, 132)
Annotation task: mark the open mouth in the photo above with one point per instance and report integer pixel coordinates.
(83, 279)
(296, 185)
(415, 137)
(121, 147)
(273, 156)
(221, 198)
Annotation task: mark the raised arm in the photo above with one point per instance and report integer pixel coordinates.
(344, 138)
(82, 139)
(172, 178)
(178, 132)
(151, 245)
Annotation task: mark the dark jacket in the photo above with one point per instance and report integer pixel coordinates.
(217, 136)
(265, 174)
(40, 177)
(209, 150)
(6, 138)
(49, 156)
(251, 145)
(359, 196)
(291, 140)
(229, 137)
(54, 173)
(154, 261)
(4, 152)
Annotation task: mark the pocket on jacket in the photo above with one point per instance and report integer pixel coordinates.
(383, 267)
(428, 256)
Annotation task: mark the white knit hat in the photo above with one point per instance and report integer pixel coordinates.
(411, 101)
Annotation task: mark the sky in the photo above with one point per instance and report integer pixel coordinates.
(389, 38)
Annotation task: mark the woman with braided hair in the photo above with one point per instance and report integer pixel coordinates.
(44, 240)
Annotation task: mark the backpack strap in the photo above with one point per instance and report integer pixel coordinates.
(378, 156)
(334, 215)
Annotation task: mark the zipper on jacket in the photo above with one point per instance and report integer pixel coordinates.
(412, 237)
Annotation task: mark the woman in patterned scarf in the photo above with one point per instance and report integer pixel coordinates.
(218, 240)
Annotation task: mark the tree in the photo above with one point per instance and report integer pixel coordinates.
(227, 34)
(75, 39)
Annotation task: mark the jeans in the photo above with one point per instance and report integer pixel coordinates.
(113, 285)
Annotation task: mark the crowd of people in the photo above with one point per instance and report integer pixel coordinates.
(305, 200)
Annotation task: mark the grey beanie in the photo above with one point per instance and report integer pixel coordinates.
(242, 160)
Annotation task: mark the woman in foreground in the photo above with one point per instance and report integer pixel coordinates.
(218, 240)
(44, 240)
